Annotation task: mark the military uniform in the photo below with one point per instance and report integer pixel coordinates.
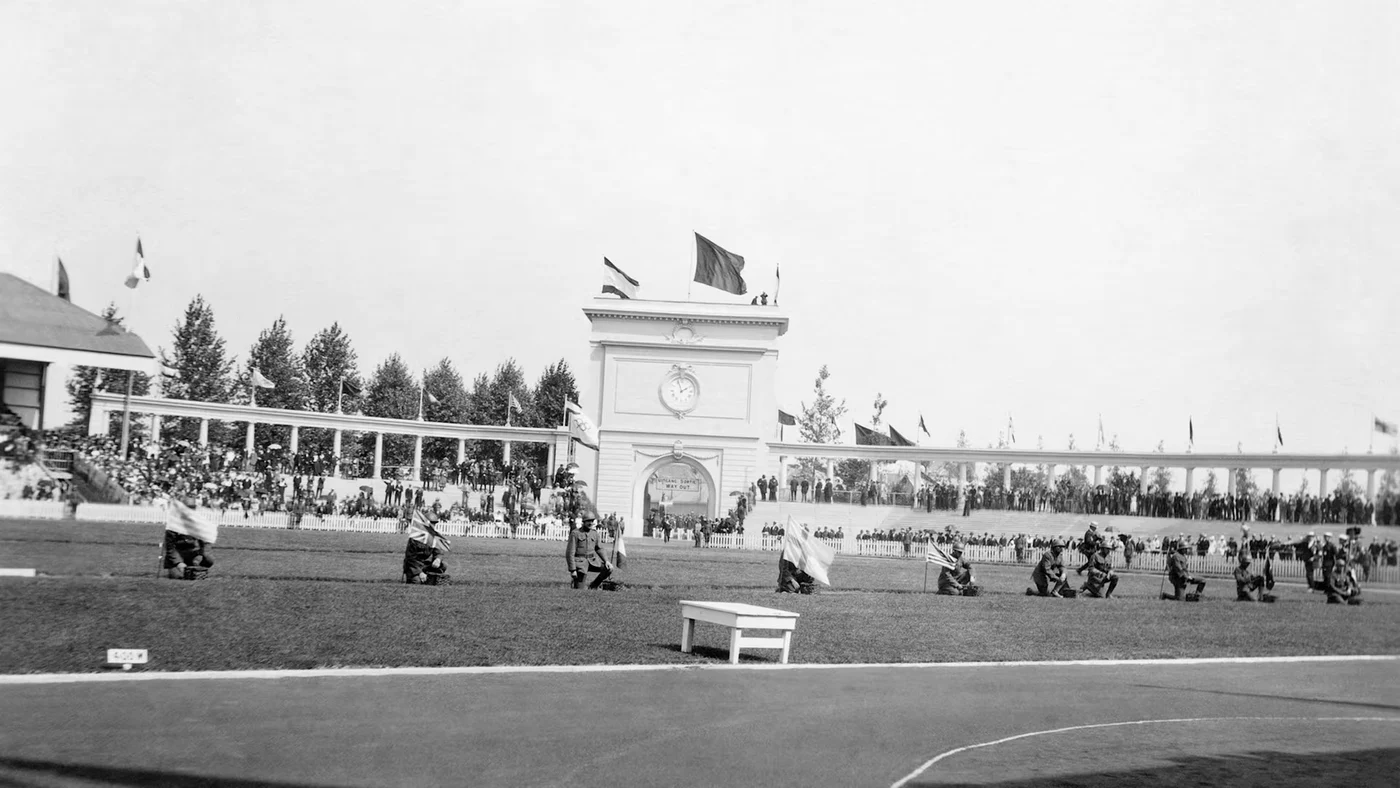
(957, 581)
(423, 565)
(1246, 582)
(186, 558)
(584, 553)
(1341, 586)
(1179, 576)
(1049, 574)
(1102, 579)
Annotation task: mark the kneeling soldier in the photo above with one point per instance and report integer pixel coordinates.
(1340, 585)
(1246, 582)
(1180, 578)
(186, 557)
(1049, 574)
(1102, 579)
(585, 550)
(958, 580)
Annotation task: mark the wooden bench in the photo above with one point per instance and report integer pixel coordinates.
(739, 617)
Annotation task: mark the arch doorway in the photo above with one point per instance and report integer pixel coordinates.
(677, 487)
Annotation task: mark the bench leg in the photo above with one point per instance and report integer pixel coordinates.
(734, 637)
(687, 634)
(787, 646)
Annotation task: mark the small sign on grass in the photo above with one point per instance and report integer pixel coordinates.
(126, 657)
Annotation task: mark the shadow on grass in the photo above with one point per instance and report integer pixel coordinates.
(1371, 767)
(712, 652)
(24, 771)
(1274, 696)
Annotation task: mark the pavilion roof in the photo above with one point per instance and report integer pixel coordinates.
(30, 315)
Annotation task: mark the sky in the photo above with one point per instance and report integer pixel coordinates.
(1152, 212)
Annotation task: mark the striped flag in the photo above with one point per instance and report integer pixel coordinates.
(423, 532)
(139, 272)
(806, 552)
(938, 557)
(617, 282)
(619, 551)
(183, 520)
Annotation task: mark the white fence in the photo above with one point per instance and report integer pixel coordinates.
(21, 508)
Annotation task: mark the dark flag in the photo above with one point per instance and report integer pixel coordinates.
(64, 291)
(899, 440)
(922, 427)
(349, 388)
(787, 419)
(718, 268)
(1191, 431)
(1385, 427)
(868, 437)
(1278, 431)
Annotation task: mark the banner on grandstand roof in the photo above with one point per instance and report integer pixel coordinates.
(617, 282)
(718, 267)
(868, 437)
(899, 440)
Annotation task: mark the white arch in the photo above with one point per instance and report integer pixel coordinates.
(639, 486)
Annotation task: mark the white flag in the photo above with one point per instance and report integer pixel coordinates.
(262, 382)
(806, 552)
(581, 428)
(183, 520)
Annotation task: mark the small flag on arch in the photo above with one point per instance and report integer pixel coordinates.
(617, 282)
(922, 427)
(260, 381)
(868, 437)
(514, 403)
(899, 440)
(139, 272)
(1385, 427)
(786, 419)
(348, 386)
(431, 398)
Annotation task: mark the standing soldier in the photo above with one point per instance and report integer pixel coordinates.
(1180, 577)
(584, 553)
(1306, 550)
(1049, 574)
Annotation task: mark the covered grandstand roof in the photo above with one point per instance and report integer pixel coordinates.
(39, 326)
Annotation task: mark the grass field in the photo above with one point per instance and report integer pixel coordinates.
(284, 599)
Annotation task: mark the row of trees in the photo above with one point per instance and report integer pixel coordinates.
(324, 376)
(819, 423)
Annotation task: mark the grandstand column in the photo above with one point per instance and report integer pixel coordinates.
(97, 421)
(1230, 481)
(1142, 480)
(1190, 480)
(962, 486)
(1006, 477)
(248, 446)
(378, 455)
(1277, 472)
(1321, 482)
(1371, 485)
(204, 433)
(155, 434)
(1098, 475)
(417, 458)
(462, 453)
(1050, 476)
(335, 455)
(293, 442)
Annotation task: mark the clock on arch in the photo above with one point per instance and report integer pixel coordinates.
(680, 391)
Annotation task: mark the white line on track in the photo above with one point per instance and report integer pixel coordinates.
(81, 678)
(929, 763)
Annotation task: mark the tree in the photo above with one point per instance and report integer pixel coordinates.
(1245, 484)
(488, 403)
(818, 424)
(1390, 480)
(274, 357)
(556, 384)
(1162, 475)
(444, 384)
(879, 411)
(328, 359)
(83, 381)
(1210, 489)
(1348, 486)
(199, 369)
(392, 394)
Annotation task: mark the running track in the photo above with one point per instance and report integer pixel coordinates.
(1208, 722)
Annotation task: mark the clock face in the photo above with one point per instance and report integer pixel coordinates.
(680, 393)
